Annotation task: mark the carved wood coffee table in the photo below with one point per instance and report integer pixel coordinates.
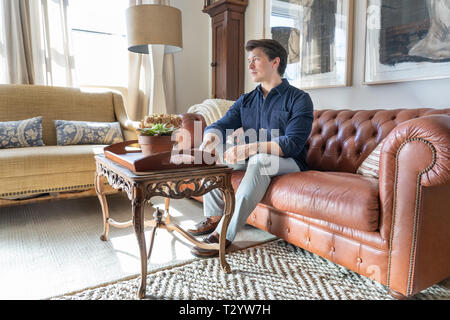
(171, 184)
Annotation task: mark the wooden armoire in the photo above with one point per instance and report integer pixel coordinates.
(228, 52)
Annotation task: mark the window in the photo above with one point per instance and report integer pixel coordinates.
(99, 41)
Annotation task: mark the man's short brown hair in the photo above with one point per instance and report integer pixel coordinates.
(272, 49)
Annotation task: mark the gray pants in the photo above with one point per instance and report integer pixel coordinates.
(259, 170)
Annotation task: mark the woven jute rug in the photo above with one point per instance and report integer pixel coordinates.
(274, 271)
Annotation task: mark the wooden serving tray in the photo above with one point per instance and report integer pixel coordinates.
(137, 162)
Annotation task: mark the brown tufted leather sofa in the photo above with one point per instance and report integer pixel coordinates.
(394, 229)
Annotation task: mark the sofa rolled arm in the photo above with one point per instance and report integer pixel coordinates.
(414, 182)
(129, 129)
(433, 134)
(127, 125)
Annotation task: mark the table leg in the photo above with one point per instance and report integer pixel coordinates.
(166, 209)
(150, 245)
(100, 190)
(138, 224)
(228, 213)
(158, 218)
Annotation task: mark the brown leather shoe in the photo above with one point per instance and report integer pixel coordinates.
(206, 226)
(209, 253)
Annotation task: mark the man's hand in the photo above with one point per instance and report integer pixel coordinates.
(210, 141)
(240, 153)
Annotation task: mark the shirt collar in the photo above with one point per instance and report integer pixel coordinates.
(280, 89)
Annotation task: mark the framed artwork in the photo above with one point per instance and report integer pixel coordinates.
(318, 36)
(407, 40)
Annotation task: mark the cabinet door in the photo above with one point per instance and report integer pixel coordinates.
(235, 55)
(227, 47)
(219, 57)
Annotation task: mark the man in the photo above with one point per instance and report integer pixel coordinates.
(281, 112)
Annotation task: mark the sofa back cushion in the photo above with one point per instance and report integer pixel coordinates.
(18, 102)
(341, 140)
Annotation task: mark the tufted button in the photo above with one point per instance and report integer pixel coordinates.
(333, 249)
(359, 260)
(288, 230)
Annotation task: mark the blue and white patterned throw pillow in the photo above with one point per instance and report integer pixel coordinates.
(22, 133)
(84, 132)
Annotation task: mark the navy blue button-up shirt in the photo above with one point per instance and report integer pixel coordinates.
(286, 109)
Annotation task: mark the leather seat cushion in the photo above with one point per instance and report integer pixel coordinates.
(345, 199)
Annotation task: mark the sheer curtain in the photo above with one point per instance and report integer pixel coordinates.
(52, 48)
(35, 46)
(141, 78)
(15, 43)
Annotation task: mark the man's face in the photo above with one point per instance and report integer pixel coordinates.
(260, 68)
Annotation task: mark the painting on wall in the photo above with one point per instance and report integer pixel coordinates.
(318, 37)
(407, 40)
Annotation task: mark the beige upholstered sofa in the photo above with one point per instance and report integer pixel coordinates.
(53, 169)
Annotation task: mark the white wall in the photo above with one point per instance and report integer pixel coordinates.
(192, 63)
(430, 93)
(193, 72)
